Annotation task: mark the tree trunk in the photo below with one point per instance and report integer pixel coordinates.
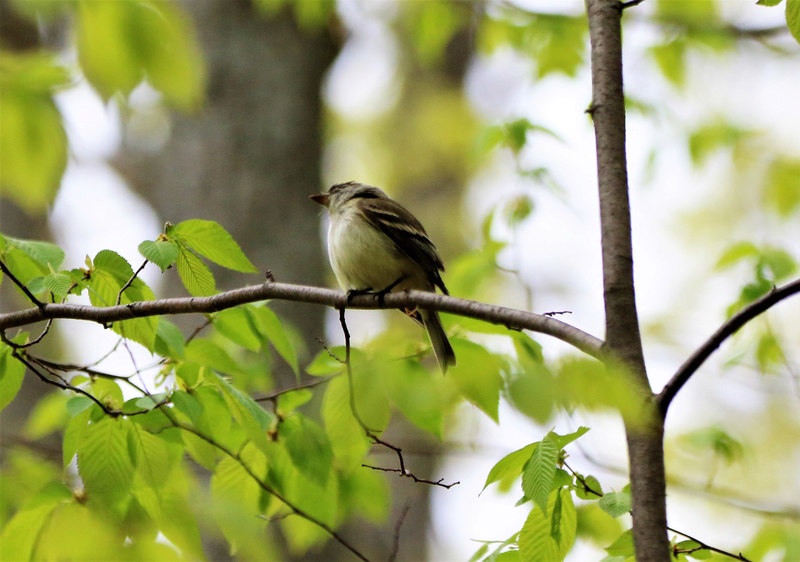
(623, 338)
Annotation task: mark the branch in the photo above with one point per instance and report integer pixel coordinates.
(511, 318)
(19, 284)
(704, 546)
(745, 315)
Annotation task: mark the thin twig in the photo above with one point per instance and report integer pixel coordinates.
(275, 394)
(402, 471)
(39, 304)
(704, 546)
(728, 328)
(130, 281)
(397, 527)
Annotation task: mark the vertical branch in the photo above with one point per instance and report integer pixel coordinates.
(623, 338)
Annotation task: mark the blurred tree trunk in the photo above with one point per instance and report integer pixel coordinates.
(252, 155)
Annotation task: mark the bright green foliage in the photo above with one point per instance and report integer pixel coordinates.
(478, 376)
(11, 374)
(770, 266)
(782, 189)
(549, 534)
(616, 503)
(793, 18)
(163, 253)
(33, 144)
(108, 274)
(555, 42)
(540, 472)
(210, 240)
(432, 25)
(122, 43)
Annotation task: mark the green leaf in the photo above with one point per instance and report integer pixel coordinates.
(21, 532)
(154, 456)
(163, 253)
(248, 414)
(119, 43)
(169, 53)
(237, 497)
(11, 374)
(58, 284)
(210, 354)
(623, 546)
(616, 503)
(549, 537)
(308, 447)
(169, 340)
(271, 327)
(671, 60)
(347, 438)
(194, 274)
(328, 362)
(716, 440)
(33, 144)
(477, 375)
(793, 18)
(540, 471)
(212, 241)
(510, 467)
(589, 488)
(104, 464)
(110, 272)
(236, 325)
(562, 441)
(419, 395)
(47, 255)
(736, 253)
(768, 3)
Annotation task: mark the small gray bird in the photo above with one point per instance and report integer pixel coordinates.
(376, 245)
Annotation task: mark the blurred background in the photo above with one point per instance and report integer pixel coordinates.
(472, 114)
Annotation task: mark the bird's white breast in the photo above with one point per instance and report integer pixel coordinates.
(362, 257)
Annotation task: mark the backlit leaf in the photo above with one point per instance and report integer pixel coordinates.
(212, 241)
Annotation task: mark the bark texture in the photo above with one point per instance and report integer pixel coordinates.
(623, 338)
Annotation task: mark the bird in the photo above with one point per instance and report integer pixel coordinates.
(375, 245)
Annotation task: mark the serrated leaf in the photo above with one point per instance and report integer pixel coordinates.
(328, 362)
(194, 274)
(540, 471)
(212, 241)
(549, 537)
(589, 488)
(153, 455)
(163, 253)
(110, 272)
(104, 464)
(58, 284)
(48, 255)
(11, 374)
(510, 467)
(616, 503)
(272, 328)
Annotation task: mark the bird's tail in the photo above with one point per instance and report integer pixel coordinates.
(441, 345)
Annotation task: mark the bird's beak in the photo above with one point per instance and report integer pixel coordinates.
(321, 198)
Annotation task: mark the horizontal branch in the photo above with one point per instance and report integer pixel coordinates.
(513, 319)
(730, 327)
